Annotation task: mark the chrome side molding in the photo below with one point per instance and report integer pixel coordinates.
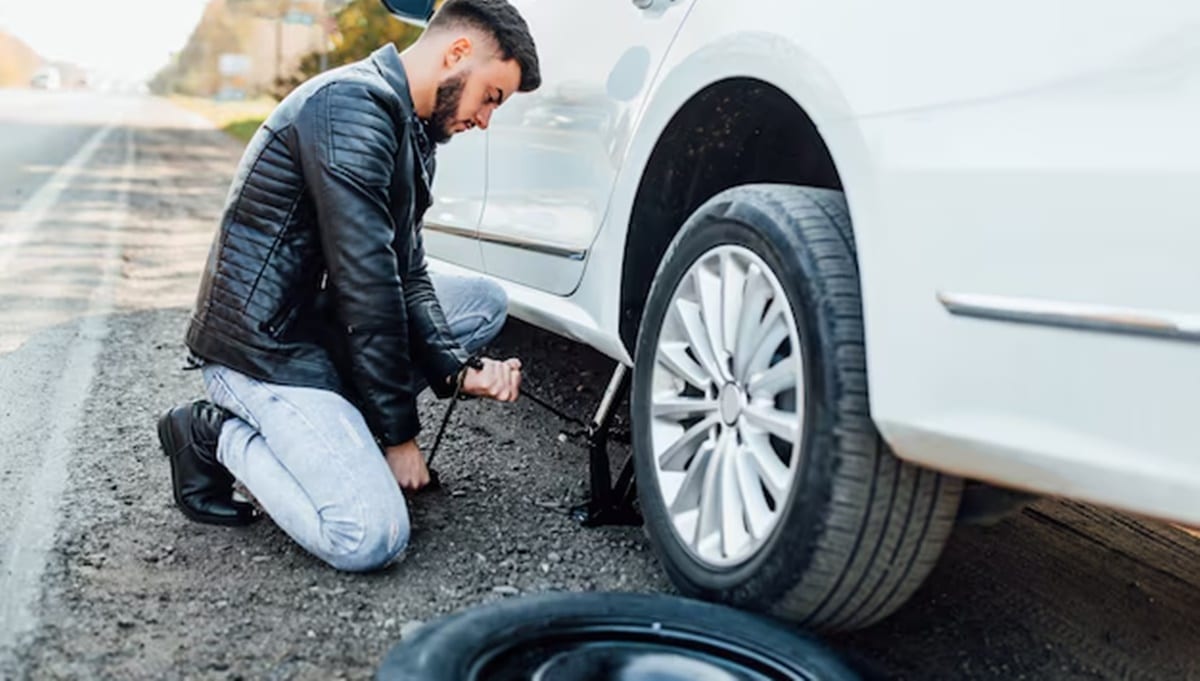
(1079, 316)
(509, 240)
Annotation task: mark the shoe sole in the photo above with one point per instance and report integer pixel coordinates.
(169, 446)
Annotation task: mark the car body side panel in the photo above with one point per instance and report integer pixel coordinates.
(1074, 191)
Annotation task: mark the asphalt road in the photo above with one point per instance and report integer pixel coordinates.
(107, 206)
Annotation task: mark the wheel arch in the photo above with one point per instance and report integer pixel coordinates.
(731, 113)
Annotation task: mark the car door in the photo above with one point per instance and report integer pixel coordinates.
(553, 154)
(452, 220)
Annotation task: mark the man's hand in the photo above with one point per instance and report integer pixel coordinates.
(408, 465)
(497, 380)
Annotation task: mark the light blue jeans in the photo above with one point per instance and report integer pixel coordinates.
(309, 458)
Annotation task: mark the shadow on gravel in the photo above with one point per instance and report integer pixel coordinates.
(1060, 591)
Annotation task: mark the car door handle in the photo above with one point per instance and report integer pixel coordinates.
(653, 4)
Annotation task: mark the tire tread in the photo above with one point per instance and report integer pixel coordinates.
(902, 517)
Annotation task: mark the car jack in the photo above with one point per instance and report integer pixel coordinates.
(609, 504)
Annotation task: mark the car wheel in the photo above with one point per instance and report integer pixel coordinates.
(763, 481)
(607, 637)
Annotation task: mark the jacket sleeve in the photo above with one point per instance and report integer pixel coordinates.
(347, 144)
(438, 353)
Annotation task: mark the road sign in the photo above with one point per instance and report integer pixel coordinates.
(232, 64)
(297, 17)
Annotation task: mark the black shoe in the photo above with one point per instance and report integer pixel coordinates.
(203, 487)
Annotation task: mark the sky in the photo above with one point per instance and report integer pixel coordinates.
(128, 39)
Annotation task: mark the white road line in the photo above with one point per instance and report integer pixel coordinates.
(33, 536)
(21, 226)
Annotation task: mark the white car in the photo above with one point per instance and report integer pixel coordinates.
(856, 253)
(46, 78)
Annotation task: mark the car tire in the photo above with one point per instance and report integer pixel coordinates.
(859, 529)
(620, 636)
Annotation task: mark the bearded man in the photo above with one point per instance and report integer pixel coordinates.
(317, 325)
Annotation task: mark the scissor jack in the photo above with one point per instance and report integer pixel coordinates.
(609, 504)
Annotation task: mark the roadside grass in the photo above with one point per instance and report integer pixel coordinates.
(239, 119)
(243, 129)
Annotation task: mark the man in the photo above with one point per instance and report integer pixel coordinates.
(316, 323)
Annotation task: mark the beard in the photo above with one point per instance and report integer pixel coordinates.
(445, 108)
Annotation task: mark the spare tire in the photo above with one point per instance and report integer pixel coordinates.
(607, 636)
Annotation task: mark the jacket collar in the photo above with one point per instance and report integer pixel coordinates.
(387, 60)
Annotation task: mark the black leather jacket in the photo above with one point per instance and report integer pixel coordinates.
(317, 276)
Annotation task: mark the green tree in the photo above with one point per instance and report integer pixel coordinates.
(193, 70)
(362, 27)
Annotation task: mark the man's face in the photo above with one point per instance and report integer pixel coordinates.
(470, 93)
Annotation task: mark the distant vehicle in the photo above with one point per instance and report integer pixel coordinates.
(47, 78)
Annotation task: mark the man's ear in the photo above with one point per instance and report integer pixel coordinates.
(458, 50)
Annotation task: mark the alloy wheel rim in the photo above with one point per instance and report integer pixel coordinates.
(623, 652)
(727, 406)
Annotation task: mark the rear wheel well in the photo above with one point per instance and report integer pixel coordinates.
(736, 131)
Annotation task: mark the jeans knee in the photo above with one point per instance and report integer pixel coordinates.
(497, 296)
(384, 535)
(495, 303)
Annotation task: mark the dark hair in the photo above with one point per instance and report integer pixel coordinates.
(504, 23)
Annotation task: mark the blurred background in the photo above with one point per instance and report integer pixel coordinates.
(229, 60)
